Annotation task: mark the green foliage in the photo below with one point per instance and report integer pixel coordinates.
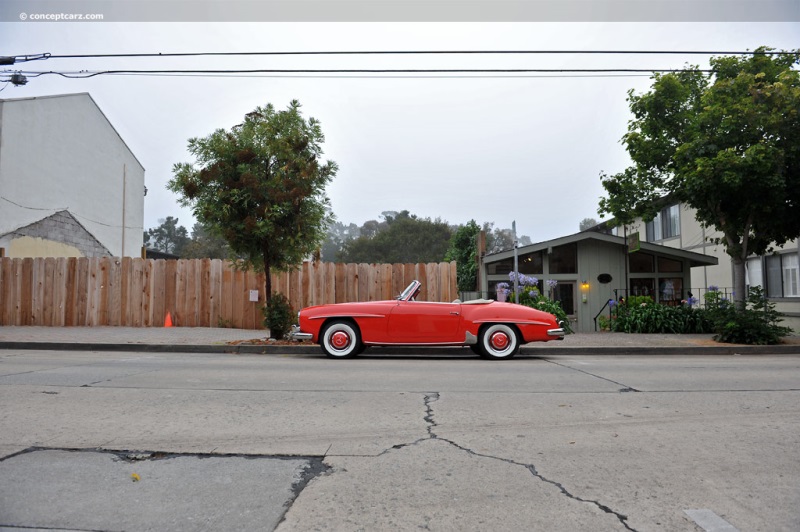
(405, 238)
(279, 316)
(261, 185)
(646, 317)
(726, 144)
(757, 323)
(206, 243)
(168, 237)
(531, 296)
(464, 250)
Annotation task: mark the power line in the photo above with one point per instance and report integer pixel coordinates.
(91, 74)
(417, 52)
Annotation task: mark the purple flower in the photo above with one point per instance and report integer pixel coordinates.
(611, 302)
(552, 283)
(713, 288)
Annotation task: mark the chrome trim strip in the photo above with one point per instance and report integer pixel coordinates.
(515, 322)
(326, 316)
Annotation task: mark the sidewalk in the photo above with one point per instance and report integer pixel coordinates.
(217, 340)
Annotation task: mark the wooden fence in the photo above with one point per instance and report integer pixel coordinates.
(136, 292)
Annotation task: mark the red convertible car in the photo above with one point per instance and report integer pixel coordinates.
(491, 329)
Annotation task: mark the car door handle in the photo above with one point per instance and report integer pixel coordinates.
(454, 313)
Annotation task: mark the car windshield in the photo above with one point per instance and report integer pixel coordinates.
(408, 292)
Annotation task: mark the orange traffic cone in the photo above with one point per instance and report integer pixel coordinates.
(168, 320)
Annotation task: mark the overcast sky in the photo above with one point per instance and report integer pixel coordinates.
(496, 148)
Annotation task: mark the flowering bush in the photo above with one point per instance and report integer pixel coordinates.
(530, 295)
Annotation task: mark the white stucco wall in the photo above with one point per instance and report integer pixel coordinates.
(61, 153)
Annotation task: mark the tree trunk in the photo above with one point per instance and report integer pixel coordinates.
(739, 283)
(267, 276)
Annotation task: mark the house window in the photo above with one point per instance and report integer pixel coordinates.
(564, 259)
(643, 287)
(564, 293)
(669, 265)
(641, 263)
(531, 263)
(670, 290)
(783, 275)
(755, 277)
(666, 224)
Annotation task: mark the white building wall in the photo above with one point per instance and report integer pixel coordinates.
(61, 153)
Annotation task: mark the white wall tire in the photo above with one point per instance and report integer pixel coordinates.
(341, 339)
(498, 341)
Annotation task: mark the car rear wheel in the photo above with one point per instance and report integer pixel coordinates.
(341, 339)
(498, 341)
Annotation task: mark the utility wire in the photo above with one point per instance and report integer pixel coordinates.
(419, 52)
(91, 74)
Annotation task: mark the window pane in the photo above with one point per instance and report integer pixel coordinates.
(564, 259)
(774, 280)
(790, 275)
(500, 268)
(656, 230)
(641, 263)
(754, 275)
(643, 287)
(671, 222)
(531, 263)
(564, 293)
(670, 290)
(669, 265)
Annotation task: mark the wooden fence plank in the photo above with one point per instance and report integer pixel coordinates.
(207, 293)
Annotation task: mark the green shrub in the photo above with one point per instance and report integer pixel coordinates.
(279, 316)
(756, 323)
(642, 315)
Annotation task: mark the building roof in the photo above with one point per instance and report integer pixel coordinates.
(695, 259)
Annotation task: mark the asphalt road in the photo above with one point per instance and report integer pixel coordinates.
(172, 441)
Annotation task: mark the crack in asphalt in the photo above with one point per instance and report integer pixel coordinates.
(432, 397)
(625, 387)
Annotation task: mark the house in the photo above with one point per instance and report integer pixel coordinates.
(590, 268)
(69, 185)
(778, 273)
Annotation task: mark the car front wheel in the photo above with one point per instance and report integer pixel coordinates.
(341, 339)
(499, 341)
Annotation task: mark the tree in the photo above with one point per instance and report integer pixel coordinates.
(586, 223)
(403, 238)
(502, 239)
(168, 237)
(206, 243)
(464, 250)
(261, 185)
(338, 234)
(727, 144)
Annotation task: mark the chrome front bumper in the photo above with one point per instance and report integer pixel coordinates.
(558, 333)
(297, 335)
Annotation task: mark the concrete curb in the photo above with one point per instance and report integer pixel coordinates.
(722, 349)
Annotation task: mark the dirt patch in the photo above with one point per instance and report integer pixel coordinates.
(267, 341)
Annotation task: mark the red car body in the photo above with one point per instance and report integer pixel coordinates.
(492, 329)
